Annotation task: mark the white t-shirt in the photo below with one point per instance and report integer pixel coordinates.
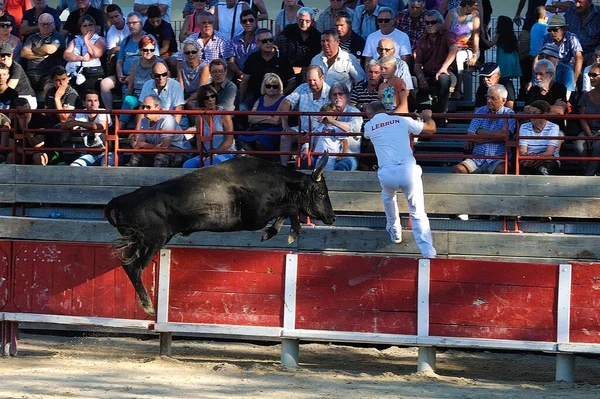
(114, 37)
(93, 139)
(400, 38)
(333, 144)
(390, 136)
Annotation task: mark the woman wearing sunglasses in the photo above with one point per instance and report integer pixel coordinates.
(141, 72)
(188, 71)
(7, 37)
(212, 125)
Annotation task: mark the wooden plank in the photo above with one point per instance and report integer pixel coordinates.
(239, 332)
(228, 260)
(225, 303)
(579, 348)
(371, 282)
(7, 194)
(355, 337)
(495, 333)
(256, 283)
(357, 269)
(486, 315)
(465, 294)
(344, 298)
(68, 194)
(81, 321)
(480, 343)
(8, 173)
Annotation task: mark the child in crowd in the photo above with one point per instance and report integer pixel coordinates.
(505, 40)
(331, 143)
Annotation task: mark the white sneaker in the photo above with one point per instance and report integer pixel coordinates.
(395, 236)
(463, 216)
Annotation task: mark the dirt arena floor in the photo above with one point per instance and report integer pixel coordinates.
(125, 367)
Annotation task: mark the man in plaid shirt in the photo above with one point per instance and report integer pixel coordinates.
(412, 21)
(489, 135)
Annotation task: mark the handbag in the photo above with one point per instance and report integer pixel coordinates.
(93, 73)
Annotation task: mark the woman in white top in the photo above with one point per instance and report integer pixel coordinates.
(537, 146)
(86, 49)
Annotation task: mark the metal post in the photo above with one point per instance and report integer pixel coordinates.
(165, 343)
(9, 332)
(426, 360)
(565, 367)
(290, 352)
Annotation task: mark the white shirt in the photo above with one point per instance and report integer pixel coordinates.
(400, 38)
(166, 17)
(94, 139)
(302, 100)
(390, 136)
(345, 69)
(114, 36)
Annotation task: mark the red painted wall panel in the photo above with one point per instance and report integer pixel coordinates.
(4, 273)
(219, 286)
(493, 300)
(74, 280)
(585, 303)
(357, 293)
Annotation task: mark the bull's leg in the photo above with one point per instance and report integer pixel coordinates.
(295, 230)
(134, 271)
(274, 229)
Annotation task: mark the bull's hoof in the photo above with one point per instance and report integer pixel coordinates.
(292, 237)
(269, 233)
(148, 308)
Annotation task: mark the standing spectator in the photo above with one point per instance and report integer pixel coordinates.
(338, 65)
(538, 128)
(8, 38)
(287, 16)
(308, 97)
(569, 48)
(191, 23)
(266, 60)
(116, 34)
(17, 78)
(172, 141)
(489, 135)
(142, 7)
(365, 18)
(43, 51)
(244, 44)
(350, 41)
(385, 19)
(412, 21)
(71, 27)
(538, 30)
(392, 90)
(162, 31)
(300, 42)
(583, 19)
(167, 89)
(326, 18)
(590, 105)
(505, 40)
(434, 60)
(386, 47)
(29, 23)
(491, 74)
(227, 17)
(398, 170)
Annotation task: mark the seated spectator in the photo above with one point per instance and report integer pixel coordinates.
(411, 21)
(287, 15)
(207, 100)
(339, 66)
(191, 23)
(538, 128)
(43, 51)
(332, 144)
(116, 34)
(8, 95)
(30, 128)
(266, 60)
(244, 44)
(300, 42)
(564, 73)
(224, 87)
(168, 90)
(350, 41)
(213, 44)
(587, 82)
(161, 141)
(162, 31)
(386, 47)
(547, 89)
(140, 73)
(142, 7)
(489, 135)
(188, 71)
(490, 75)
(272, 90)
(590, 105)
(385, 19)
(583, 20)
(61, 96)
(10, 39)
(227, 20)
(365, 18)
(4, 13)
(17, 79)
(71, 27)
(128, 53)
(29, 24)
(84, 55)
(569, 47)
(434, 61)
(367, 91)
(308, 97)
(464, 22)
(97, 121)
(391, 91)
(327, 17)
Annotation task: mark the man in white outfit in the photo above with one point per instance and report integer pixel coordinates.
(398, 170)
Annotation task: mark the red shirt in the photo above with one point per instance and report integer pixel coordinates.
(433, 54)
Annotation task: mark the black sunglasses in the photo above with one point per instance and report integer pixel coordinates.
(5, 25)
(265, 41)
(148, 50)
(209, 96)
(383, 20)
(432, 22)
(593, 75)
(277, 86)
(160, 75)
(553, 29)
(384, 49)
(190, 52)
(248, 21)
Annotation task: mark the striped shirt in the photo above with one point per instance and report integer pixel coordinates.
(360, 95)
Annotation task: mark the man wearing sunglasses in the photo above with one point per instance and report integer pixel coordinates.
(29, 24)
(167, 89)
(570, 50)
(244, 44)
(385, 19)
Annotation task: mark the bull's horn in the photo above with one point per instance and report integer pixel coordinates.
(320, 167)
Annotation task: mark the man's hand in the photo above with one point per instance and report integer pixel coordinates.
(517, 20)
(425, 114)
(442, 71)
(473, 60)
(60, 92)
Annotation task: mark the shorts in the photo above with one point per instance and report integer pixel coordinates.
(484, 168)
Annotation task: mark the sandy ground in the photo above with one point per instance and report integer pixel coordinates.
(118, 367)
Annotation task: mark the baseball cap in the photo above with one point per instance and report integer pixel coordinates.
(488, 69)
(550, 49)
(6, 48)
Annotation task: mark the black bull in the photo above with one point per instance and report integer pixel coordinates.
(244, 193)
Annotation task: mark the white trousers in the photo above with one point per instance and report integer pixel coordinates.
(407, 177)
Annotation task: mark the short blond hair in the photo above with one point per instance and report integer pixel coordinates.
(269, 79)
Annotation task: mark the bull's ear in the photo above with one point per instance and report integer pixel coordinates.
(320, 167)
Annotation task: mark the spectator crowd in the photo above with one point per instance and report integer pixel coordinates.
(229, 55)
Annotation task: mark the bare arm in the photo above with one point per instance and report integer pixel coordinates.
(185, 29)
(26, 30)
(578, 65)
(285, 106)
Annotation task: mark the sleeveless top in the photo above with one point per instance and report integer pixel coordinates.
(191, 78)
(282, 20)
(230, 18)
(262, 107)
(218, 139)
(463, 31)
(142, 75)
(80, 49)
(193, 27)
